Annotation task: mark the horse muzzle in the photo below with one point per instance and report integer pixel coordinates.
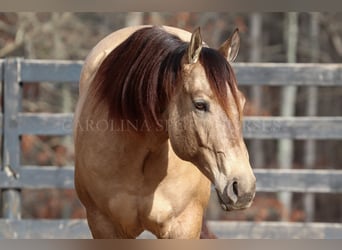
(236, 196)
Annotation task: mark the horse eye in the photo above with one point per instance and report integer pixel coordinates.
(201, 106)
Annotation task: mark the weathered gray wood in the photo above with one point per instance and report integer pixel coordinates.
(1, 70)
(44, 229)
(299, 180)
(45, 123)
(11, 207)
(51, 71)
(276, 230)
(40, 177)
(11, 95)
(78, 229)
(254, 127)
(1, 82)
(277, 74)
(293, 127)
(268, 180)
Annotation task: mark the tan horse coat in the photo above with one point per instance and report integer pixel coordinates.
(157, 207)
(132, 182)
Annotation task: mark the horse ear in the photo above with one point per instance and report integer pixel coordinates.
(230, 47)
(195, 46)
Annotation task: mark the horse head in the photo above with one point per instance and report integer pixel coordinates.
(205, 120)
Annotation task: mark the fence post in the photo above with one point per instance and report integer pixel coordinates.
(11, 198)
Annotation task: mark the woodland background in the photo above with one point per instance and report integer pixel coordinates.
(265, 37)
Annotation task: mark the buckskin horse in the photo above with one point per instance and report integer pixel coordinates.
(158, 120)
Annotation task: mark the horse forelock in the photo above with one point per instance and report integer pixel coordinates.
(138, 78)
(221, 78)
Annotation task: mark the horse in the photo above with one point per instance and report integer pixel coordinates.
(158, 121)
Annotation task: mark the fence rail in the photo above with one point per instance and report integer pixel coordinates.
(15, 177)
(268, 180)
(273, 74)
(70, 229)
(254, 127)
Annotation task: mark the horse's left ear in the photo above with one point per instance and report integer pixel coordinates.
(195, 47)
(230, 47)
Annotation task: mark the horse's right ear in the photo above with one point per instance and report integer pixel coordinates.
(195, 47)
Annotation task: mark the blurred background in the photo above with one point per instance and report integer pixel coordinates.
(265, 37)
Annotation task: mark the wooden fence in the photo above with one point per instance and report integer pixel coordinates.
(15, 72)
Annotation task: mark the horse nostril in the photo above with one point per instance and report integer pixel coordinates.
(232, 191)
(235, 188)
(238, 194)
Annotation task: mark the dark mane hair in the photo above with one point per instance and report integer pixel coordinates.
(138, 78)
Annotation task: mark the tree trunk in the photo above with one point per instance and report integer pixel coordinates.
(256, 146)
(60, 53)
(311, 110)
(288, 101)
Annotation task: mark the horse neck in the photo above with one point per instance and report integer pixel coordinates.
(141, 144)
(136, 145)
(152, 142)
(145, 151)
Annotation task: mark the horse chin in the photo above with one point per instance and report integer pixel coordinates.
(228, 207)
(225, 207)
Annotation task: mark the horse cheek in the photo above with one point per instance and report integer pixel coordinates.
(180, 138)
